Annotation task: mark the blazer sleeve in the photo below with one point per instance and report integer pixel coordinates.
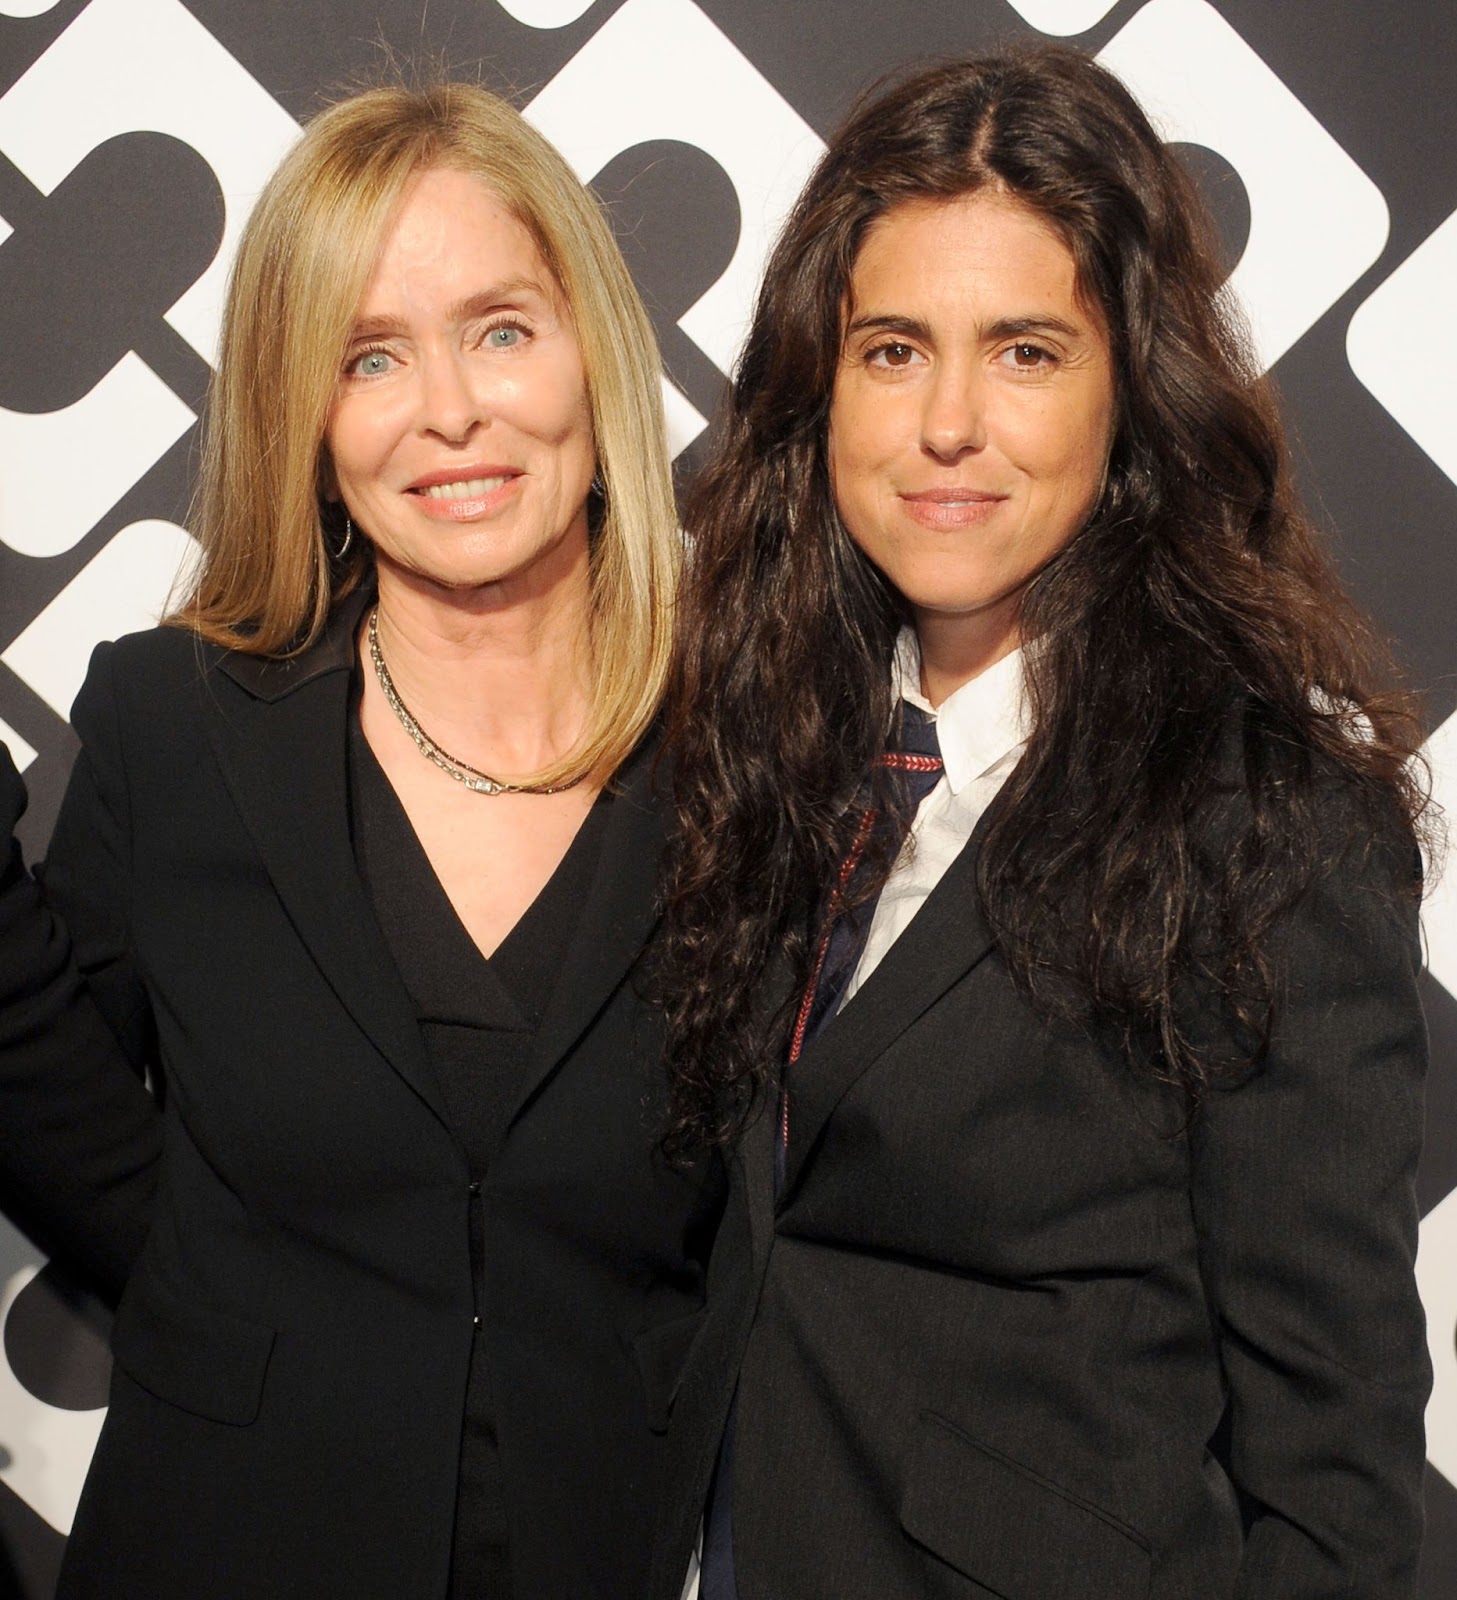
(80, 1136)
(1304, 1205)
(87, 876)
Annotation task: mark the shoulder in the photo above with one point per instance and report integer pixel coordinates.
(157, 669)
(1261, 770)
(173, 666)
(153, 650)
(1305, 856)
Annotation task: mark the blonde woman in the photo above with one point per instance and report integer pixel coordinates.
(359, 859)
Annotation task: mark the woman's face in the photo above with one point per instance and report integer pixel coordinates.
(460, 438)
(972, 413)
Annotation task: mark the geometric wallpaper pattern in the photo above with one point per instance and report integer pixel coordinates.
(135, 133)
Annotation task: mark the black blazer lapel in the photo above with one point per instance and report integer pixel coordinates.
(947, 937)
(281, 743)
(756, 1151)
(617, 920)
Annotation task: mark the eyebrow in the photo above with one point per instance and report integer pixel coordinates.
(880, 322)
(1003, 328)
(509, 292)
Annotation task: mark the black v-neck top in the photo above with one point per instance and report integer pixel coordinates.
(478, 1020)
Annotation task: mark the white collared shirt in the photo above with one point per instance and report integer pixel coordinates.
(982, 730)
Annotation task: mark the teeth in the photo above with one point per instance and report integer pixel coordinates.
(466, 489)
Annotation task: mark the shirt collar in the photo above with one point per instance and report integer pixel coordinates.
(980, 724)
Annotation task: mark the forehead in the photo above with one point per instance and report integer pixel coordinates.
(453, 234)
(981, 247)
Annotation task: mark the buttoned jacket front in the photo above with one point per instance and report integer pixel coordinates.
(292, 1349)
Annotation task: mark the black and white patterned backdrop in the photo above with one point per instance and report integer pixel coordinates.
(134, 134)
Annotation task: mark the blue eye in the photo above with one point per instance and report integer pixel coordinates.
(371, 363)
(505, 336)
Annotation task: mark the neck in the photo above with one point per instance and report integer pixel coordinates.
(504, 686)
(954, 650)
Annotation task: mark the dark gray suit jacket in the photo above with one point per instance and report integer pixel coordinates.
(1013, 1329)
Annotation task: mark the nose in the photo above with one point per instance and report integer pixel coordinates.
(450, 407)
(953, 420)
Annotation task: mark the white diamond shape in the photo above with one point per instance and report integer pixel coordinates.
(129, 420)
(134, 66)
(687, 81)
(1417, 303)
(1317, 222)
(126, 587)
(1438, 1284)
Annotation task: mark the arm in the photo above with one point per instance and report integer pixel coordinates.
(79, 1134)
(1303, 1200)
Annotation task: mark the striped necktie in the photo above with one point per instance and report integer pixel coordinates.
(915, 756)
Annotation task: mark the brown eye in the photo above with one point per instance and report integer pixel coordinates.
(893, 354)
(1029, 355)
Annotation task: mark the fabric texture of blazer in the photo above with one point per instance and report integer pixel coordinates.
(1017, 1327)
(291, 1352)
(80, 1137)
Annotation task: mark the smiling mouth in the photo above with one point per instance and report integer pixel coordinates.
(464, 488)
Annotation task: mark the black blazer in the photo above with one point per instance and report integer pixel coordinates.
(291, 1351)
(1019, 1331)
(79, 1134)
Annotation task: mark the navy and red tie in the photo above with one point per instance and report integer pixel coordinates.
(915, 757)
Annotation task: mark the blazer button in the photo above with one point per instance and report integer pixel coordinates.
(475, 1187)
(475, 1322)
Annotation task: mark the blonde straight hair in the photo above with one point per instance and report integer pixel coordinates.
(268, 576)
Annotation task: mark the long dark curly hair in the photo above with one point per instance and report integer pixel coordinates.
(1196, 600)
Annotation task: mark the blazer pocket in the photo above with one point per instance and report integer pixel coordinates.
(209, 1362)
(662, 1352)
(1010, 1530)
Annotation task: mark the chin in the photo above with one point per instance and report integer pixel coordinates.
(949, 604)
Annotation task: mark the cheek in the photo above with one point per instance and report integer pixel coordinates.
(854, 451)
(356, 442)
(1073, 451)
(553, 402)
(579, 424)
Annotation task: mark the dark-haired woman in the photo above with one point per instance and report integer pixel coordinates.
(1026, 727)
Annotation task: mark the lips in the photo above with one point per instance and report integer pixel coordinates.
(951, 506)
(463, 493)
(950, 496)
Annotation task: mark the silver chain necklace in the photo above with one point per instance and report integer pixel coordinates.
(452, 766)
